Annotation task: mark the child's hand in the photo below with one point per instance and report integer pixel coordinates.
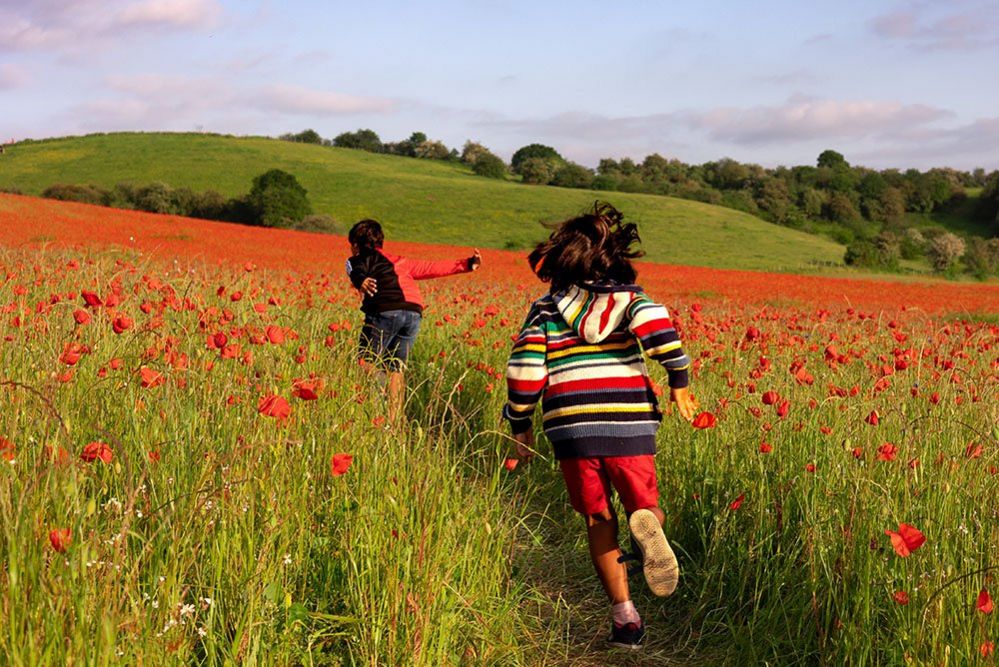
(525, 444)
(685, 403)
(476, 260)
(369, 286)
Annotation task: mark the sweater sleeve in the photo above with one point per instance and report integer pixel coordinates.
(355, 273)
(526, 373)
(425, 270)
(651, 324)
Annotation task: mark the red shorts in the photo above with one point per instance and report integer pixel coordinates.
(589, 481)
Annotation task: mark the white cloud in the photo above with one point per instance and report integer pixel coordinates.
(291, 99)
(972, 27)
(77, 24)
(803, 119)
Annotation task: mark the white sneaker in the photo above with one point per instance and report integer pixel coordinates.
(662, 572)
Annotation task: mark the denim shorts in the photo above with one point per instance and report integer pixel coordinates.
(388, 337)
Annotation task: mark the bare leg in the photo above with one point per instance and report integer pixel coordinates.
(601, 532)
(396, 396)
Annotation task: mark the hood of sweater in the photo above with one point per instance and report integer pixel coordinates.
(595, 310)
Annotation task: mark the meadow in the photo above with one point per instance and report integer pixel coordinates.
(196, 470)
(424, 201)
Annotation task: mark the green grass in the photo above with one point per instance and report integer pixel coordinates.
(417, 200)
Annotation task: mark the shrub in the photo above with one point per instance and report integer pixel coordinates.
(10, 190)
(472, 151)
(944, 250)
(539, 170)
(84, 194)
(532, 151)
(155, 198)
(278, 199)
(325, 224)
(432, 150)
(309, 136)
(365, 140)
(490, 166)
(572, 175)
(912, 244)
(981, 259)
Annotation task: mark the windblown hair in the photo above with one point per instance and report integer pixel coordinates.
(593, 247)
(367, 235)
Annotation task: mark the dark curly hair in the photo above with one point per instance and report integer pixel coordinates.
(593, 247)
(367, 235)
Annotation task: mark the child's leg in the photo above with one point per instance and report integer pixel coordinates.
(601, 532)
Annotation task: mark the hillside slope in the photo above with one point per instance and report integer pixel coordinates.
(417, 200)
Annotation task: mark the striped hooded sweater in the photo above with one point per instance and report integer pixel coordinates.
(580, 354)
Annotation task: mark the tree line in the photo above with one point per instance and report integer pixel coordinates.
(867, 210)
(275, 199)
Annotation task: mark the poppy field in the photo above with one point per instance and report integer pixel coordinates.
(195, 468)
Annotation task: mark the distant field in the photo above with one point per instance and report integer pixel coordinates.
(417, 200)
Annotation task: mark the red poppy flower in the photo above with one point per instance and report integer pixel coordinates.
(305, 390)
(766, 448)
(72, 353)
(770, 397)
(97, 450)
(873, 418)
(91, 299)
(151, 378)
(275, 334)
(984, 602)
(81, 316)
(274, 406)
(121, 324)
(783, 409)
(705, 420)
(510, 464)
(906, 540)
(987, 649)
(737, 503)
(810, 467)
(8, 452)
(154, 456)
(887, 452)
(340, 464)
(901, 597)
(60, 539)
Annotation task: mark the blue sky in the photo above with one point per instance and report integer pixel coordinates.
(889, 84)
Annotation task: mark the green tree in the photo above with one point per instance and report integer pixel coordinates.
(572, 175)
(472, 151)
(533, 151)
(832, 160)
(365, 140)
(489, 165)
(539, 170)
(432, 150)
(309, 136)
(840, 208)
(278, 199)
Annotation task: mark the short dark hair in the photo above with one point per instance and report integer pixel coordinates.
(367, 235)
(595, 246)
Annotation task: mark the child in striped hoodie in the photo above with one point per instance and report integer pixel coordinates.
(580, 353)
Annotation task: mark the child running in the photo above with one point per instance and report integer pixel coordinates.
(391, 302)
(580, 353)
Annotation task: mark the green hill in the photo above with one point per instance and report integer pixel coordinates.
(417, 200)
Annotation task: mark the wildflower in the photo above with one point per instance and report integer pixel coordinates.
(984, 602)
(901, 597)
(340, 464)
(274, 406)
(906, 540)
(765, 447)
(97, 450)
(737, 503)
(705, 420)
(510, 464)
(60, 539)
(873, 419)
(887, 452)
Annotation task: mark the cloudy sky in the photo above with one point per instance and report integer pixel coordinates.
(888, 83)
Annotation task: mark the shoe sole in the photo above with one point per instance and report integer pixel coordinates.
(662, 572)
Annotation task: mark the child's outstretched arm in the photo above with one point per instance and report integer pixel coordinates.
(651, 324)
(526, 378)
(426, 270)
